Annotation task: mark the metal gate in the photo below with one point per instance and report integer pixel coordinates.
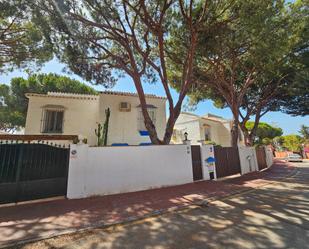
(227, 161)
(196, 162)
(261, 157)
(32, 171)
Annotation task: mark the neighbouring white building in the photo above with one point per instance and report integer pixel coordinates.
(79, 114)
(210, 128)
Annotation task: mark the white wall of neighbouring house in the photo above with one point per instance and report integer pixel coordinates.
(110, 170)
(248, 159)
(80, 115)
(193, 130)
(195, 125)
(218, 132)
(124, 126)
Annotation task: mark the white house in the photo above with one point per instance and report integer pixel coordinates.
(79, 114)
(203, 128)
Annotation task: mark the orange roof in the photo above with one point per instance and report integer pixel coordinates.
(131, 94)
(89, 96)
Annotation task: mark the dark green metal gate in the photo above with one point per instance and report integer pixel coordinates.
(32, 171)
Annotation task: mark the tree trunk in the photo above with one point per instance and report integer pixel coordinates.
(250, 135)
(235, 125)
(247, 134)
(171, 122)
(249, 140)
(147, 120)
(234, 133)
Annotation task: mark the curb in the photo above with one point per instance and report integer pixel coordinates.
(135, 219)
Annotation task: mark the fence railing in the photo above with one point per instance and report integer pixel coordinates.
(53, 140)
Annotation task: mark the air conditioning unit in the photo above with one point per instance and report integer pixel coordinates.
(124, 107)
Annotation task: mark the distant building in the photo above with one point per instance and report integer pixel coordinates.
(209, 128)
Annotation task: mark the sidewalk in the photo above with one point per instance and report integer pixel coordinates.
(42, 220)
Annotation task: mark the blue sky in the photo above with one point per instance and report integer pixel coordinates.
(289, 124)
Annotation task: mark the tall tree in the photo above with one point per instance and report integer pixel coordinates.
(264, 132)
(292, 142)
(21, 43)
(100, 40)
(248, 69)
(295, 101)
(304, 132)
(13, 103)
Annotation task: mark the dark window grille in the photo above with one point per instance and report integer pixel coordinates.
(52, 122)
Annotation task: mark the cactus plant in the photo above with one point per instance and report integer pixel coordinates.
(98, 133)
(106, 124)
(102, 131)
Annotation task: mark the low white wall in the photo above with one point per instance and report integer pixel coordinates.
(248, 160)
(269, 156)
(206, 152)
(110, 170)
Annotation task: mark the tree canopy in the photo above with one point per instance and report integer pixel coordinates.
(249, 65)
(22, 43)
(101, 40)
(304, 132)
(294, 101)
(13, 104)
(265, 132)
(292, 143)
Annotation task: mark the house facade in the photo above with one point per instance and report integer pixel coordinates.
(79, 114)
(210, 128)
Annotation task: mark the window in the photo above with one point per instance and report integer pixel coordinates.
(141, 123)
(207, 133)
(53, 121)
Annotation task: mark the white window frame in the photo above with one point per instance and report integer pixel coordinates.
(44, 125)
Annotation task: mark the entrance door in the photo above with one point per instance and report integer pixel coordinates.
(196, 162)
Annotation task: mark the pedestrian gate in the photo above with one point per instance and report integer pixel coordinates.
(227, 161)
(196, 162)
(32, 171)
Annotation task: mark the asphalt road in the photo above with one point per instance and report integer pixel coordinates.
(274, 216)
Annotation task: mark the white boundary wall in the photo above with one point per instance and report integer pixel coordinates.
(109, 170)
(248, 159)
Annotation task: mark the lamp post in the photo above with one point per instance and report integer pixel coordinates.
(186, 141)
(186, 136)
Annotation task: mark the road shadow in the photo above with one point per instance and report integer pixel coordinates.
(275, 216)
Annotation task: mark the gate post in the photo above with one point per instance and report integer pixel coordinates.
(78, 175)
(208, 162)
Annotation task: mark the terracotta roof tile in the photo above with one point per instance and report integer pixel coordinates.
(131, 94)
(63, 95)
(89, 96)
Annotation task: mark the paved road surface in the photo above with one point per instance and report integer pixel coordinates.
(274, 216)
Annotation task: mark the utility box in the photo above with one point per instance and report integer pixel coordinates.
(209, 162)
